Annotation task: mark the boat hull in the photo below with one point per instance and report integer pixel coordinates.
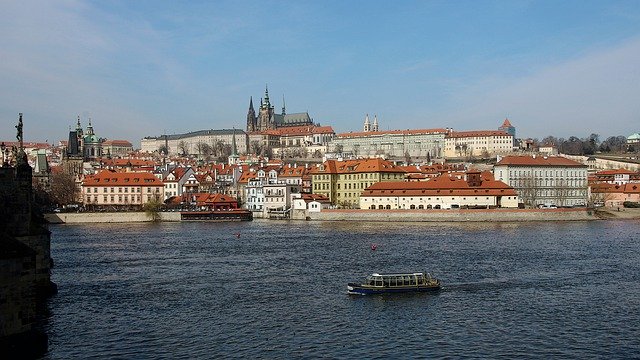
(358, 289)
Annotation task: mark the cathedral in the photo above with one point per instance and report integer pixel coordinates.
(267, 119)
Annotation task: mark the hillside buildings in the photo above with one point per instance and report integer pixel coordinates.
(481, 143)
(197, 142)
(426, 144)
(542, 180)
(89, 146)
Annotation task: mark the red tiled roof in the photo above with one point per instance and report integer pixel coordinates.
(316, 197)
(393, 132)
(112, 178)
(630, 188)
(476, 133)
(507, 123)
(616, 172)
(304, 130)
(440, 186)
(376, 165)
(538, 161)
(117, 143)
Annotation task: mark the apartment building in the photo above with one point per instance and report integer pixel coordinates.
(544, 180)
(474, 190)
(343, 181)
(110, 189)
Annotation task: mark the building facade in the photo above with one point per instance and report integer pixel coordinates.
(425, 143)
(542, 180)
(110, 189)
(342, 182)
(489, 143)
(196, 143)
(444, 192)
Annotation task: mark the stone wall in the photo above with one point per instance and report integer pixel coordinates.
(107, 217)
(495, 215)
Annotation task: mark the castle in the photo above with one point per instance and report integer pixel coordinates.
(267, 119)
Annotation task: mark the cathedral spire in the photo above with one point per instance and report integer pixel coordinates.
(367, 124)
(266, 97)
(251, 117)
(375, 123)
(283, 110)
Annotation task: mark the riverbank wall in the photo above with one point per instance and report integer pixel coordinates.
(458, 215)
(107, 217)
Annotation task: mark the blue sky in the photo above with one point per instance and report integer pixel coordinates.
(143, 68)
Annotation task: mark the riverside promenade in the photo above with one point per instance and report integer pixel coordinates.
(458, 215)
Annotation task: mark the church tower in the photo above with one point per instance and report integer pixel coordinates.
(251, 117)
(367, 124)
(266, 120)
(375, 123)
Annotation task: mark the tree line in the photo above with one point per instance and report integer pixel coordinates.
(589, 145)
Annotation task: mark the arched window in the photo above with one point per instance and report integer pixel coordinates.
(380, 207)
(420, 206)
(388, 207)
(412, 207)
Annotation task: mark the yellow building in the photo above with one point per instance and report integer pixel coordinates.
(344, 181)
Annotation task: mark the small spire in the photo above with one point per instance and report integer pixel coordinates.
(266, 95)
(251, 103)
(283, 106)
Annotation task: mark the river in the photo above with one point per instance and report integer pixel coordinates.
(269, 289)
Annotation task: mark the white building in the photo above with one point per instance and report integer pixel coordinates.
(476, 190)
(371, 142)
(544, 180)
(481, 143)
(194, 142)
(175, 180)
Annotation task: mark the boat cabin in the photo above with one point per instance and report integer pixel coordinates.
(399, 280)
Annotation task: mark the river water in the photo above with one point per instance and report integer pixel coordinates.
(269, 289)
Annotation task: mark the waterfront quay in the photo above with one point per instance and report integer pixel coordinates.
(485, 215)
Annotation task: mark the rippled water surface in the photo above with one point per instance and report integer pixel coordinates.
(278, 290)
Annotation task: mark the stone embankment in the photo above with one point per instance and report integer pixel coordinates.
(484, 215)
(107, 217)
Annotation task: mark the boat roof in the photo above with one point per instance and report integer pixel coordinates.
(399, 274)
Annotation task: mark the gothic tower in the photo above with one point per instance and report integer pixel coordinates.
(266, 119)
(375, 123)
(251, 117)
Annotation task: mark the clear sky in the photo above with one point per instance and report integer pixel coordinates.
(144, 68)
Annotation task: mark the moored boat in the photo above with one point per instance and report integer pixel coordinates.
(395, 283)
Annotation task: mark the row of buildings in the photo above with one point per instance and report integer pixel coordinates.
(372, 183)
(285, 135)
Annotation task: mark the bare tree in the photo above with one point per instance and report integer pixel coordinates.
(529, 190)
(182, 148)
(64, 190)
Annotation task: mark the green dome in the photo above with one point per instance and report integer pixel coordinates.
(91, 139)
(635, 136)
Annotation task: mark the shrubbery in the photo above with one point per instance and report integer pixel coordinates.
(631, 204)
